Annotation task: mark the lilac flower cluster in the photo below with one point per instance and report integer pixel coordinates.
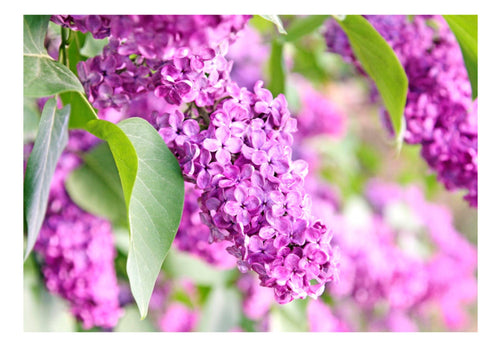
(77, 249)
(239, 155)
(177, 59)
(439, 112)
(395, 274)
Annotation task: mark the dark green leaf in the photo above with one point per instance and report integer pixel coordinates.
(49, 143)
(303, 26)
(276, 69)
(43, 76)
(382, 65)
(277, 21)
(465, 29)
(95, 186)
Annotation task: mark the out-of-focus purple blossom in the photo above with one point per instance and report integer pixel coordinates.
(249, 54)
(317, 115)
(401, 261)
(439, 112)
(171, 315)
(321, 318)
(77, 253)
(257, 300)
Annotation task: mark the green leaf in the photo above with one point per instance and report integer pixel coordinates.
(222, 311)
(464, 28)
(93, 46)
(50, 141)
(382, 65)
(277, 21)
(95, 186)
(153, 189)
(81, 110)
(31, 118)
(43, 76)
(303, 26)
(155, 208)
(123, 152)
(276, 69)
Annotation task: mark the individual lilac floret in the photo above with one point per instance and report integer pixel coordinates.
(77, 254)
(253, 192)
(439, 111)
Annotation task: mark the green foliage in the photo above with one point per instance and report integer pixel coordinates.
(43, 76)
(303, 26)
(276, 69)
(49, 143)
(95, 186)
(31, 118)
(276, 21)
(382, 65)
(464, 28)
(155, 207)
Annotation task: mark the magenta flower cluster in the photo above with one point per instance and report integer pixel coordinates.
(76, 250)
(239, 155)
(439, 112)
(232, 143)
(395, 275)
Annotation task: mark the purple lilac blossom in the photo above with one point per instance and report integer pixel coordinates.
(396, 275)
(253, 193)
(77, 249)
(233, 143)
(439, 112)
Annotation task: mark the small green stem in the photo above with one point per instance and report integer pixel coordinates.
(63, 48)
